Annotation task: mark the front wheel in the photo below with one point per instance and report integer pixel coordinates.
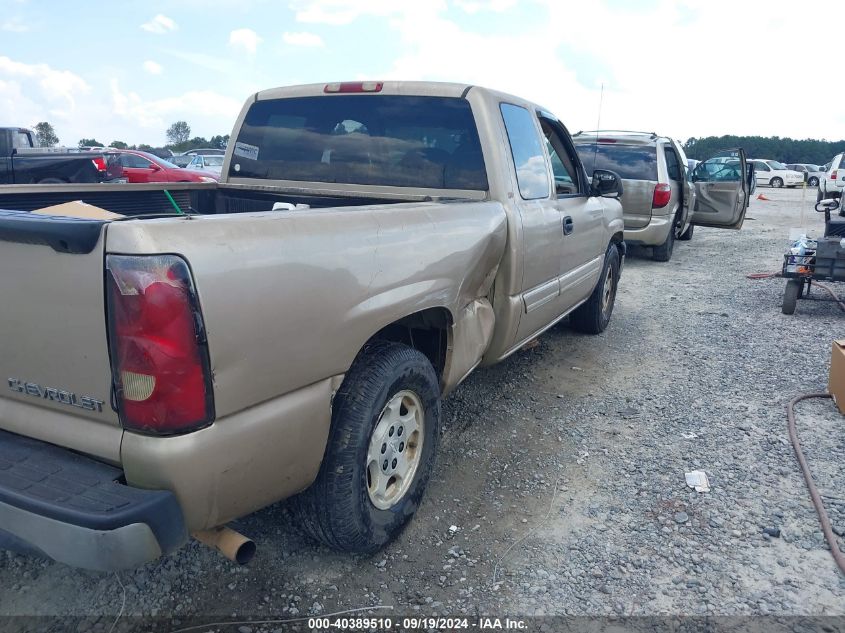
(380, 454)
(777, 183)
(593, 316)
(686, 236)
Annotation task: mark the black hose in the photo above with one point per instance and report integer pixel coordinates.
(824, 519)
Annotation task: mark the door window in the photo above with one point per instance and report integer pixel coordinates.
(20, 140)
(134, 162)
(527, 150)
(722, 168)
(563, 158)
(673, 166)
(761, 166)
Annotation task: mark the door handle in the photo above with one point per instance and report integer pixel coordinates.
(568, 225)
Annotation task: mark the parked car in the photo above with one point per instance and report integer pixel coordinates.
(811, 172)
(181, 160)
(210, 163)
(280, 341)
(137, 166)
(832, 180)
(22, 162)
(661, 200)
(206, 151)
(775, 174)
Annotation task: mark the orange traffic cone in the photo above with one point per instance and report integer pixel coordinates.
(761, 197)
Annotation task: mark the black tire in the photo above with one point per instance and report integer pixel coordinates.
(663, 252)
(813, 181)
(593, 316)
(51, 181)
(686, 236)
(790, 296)
(337, 509)
(776, 182)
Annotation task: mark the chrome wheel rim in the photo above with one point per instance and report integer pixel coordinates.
(607, 296)
(395, 449)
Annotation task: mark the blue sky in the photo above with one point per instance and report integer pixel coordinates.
(126, 71)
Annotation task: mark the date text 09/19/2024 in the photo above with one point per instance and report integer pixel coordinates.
(417, 623)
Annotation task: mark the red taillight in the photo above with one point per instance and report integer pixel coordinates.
(157, 343)
(354, 86)
(833, 175)
(662, 195)
(99, 163)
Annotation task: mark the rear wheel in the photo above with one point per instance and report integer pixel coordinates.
(813, 181)
(663, 252)
(380, 453)
(593, 316)
(776, 182)
(790, 296)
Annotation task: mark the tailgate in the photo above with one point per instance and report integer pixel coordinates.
(636, 202)
(55, 376)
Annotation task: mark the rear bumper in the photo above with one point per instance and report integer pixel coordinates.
(652, 235)
(74, 509)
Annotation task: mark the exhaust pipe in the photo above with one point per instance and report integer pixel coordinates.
(233, 545)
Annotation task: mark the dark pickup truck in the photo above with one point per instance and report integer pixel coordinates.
(21, 162)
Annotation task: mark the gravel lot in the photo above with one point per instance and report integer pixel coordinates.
(560, 487)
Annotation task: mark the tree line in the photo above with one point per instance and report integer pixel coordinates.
(178, 136)
(786, 150)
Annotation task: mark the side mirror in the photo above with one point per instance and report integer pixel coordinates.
(606, 184)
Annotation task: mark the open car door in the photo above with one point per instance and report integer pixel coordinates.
(722, 190)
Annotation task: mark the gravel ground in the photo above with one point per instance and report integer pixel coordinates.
(560, 487)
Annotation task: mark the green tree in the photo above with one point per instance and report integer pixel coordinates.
(119, 145)
(178, 133)
(45, 134)
(219, 142)
(786, 150)
(89, 142)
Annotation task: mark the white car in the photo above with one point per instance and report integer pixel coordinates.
(812, 173)
(775, 174)
(832, 181)
(211, 164)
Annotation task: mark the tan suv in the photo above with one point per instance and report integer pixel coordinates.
(663, 200)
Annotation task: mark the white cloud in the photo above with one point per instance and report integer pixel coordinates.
(52, 85)
(160, 25)
(340, 12)
(152, 67)
(679, 81)
(203, 109)
(14, 25)
(303, 39)
(475, 6)
(245, 39)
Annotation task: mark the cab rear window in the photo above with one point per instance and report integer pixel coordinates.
(391, 140)
(629, 161)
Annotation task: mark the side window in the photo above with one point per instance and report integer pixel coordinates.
(673, 167)
(761, 166)
(562, 156)
(135, 162)
(20, 140)
(527, 151)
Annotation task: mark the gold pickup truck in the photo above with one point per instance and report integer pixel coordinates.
(290, 331)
